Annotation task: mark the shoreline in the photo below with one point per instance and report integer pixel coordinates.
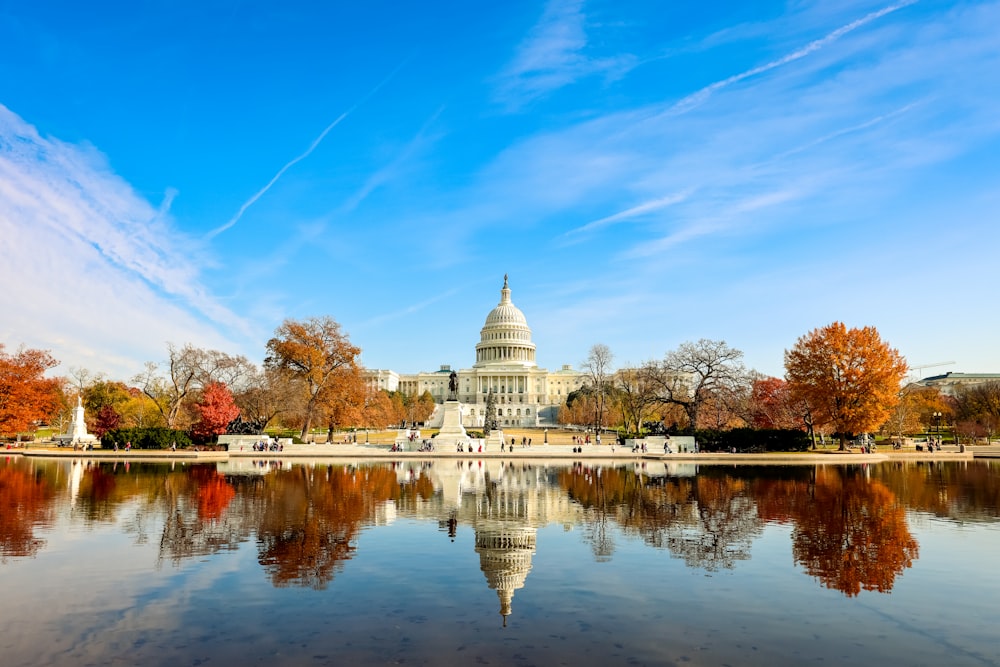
(555, 452)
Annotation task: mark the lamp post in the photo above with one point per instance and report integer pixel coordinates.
(937, 422)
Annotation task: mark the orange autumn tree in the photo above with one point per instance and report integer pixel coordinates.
(342, 400)
(316, 352)
(849, 377)
(25, 395)
(379, 411)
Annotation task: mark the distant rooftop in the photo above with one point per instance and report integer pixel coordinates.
(963, 376)
(949, 383)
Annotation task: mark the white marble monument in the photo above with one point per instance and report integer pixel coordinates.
(77, 432)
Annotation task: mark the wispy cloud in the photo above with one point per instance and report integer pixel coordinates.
(90, 267)
(409, 310)
(274, 179)
(841, 132)
(764, 138)
(384, 174)
(696, 98)
(291, 163)
(630, 213)
(554, 54)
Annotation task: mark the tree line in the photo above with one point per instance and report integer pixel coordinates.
(838, 382)
(311, 378)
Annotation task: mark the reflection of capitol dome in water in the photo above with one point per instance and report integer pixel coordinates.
(505, 558)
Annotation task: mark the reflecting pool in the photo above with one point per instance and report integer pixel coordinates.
(451, 562)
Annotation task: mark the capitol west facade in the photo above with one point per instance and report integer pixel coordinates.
(526, 395)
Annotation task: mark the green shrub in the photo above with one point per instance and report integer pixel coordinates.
(751, 440)
(156, 437)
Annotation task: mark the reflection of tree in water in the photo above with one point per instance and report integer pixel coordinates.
(415, 488)
(714, 528)
(710, 522)
(597, 535)
(601, 492)
(305, 519)
(195, 519)
(191, 499)
(26, 501)
(214, 494)
(847, 531)
(99, 496)
(310, 518)
(851, 533)
(960, 490)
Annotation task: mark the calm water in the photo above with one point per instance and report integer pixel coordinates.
(452, 563)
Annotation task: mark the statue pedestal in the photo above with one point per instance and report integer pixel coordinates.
(495, 439)
(452, 432)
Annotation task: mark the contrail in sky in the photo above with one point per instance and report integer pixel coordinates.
(260, 193)
(700, 96)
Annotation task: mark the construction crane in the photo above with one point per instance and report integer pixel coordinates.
(923, 366)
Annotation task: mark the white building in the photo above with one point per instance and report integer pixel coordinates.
(526, 395)
(949, 383)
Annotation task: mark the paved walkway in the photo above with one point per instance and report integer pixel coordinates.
(559, 452)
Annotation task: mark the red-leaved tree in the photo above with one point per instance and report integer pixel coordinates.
(215, 409)
(108, 419)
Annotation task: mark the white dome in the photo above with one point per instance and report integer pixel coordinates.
(505, 339)
(506, 313)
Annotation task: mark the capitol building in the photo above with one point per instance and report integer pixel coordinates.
(525, 395)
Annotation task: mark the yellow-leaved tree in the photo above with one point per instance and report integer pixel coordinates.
(849, 378)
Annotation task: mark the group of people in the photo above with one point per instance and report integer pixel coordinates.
(425, 446)
(932, 444)
(525, 442)
(268, 446)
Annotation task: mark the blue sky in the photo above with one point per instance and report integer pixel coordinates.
(647, 173)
